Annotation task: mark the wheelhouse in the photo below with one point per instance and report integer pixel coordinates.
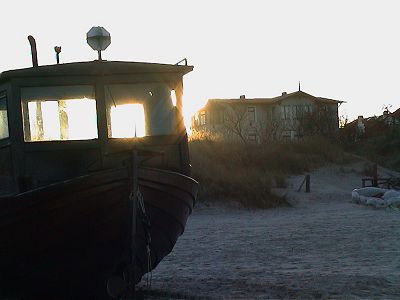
(62, 121)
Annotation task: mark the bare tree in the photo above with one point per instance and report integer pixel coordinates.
(319, 122)
(236, 121)
(237, 124)
(268, 130)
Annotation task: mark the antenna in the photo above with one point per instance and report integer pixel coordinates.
(299, 87)
(99, 39)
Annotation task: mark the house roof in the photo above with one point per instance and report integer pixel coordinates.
(271, 100)
(371, 122)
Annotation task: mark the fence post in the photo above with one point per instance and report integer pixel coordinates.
(308, 179)
(375, 175)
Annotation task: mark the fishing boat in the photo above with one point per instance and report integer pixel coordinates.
(95, 182)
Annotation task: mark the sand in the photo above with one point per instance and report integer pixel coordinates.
(324, 246)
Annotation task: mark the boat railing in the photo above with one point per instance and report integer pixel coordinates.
(147, 154)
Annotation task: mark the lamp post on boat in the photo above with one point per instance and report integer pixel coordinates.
(99, 39)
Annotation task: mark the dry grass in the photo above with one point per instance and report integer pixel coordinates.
(246, 173)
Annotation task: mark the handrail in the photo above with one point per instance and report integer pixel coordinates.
(182, 60)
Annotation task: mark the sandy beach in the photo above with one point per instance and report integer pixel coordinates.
(324, 246)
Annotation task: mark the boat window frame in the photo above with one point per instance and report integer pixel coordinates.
(5, 140)
(52, 144)
(103, 143)
(173, 84)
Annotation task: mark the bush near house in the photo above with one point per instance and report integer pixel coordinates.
(379, 144)
(246, 173)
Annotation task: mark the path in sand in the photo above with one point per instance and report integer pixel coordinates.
(324, 246)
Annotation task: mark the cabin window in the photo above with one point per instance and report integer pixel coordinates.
(127, 120)
(138, 110)
(3, 117)
(173, 97)
(59, 113)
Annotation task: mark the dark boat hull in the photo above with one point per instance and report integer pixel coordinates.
(67, 238)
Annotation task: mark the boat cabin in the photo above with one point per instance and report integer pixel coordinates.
(66, 120)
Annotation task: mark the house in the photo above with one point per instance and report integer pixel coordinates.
(288, 116)
(371, 126)
(391, 119)
(396, 113)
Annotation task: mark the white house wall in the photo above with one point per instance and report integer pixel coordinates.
(266, 114)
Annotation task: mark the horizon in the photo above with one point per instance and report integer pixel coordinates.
(336, 50)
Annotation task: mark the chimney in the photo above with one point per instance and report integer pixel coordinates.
(32, 42)
(284, 93)
(242, 97)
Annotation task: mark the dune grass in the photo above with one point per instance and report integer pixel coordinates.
(245, 173)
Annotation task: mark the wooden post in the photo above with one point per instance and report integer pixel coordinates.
(301, 185)
(39, 131)
(118, 287)
(375, 175)
(62, 114)
(135, 187)
(308, 181)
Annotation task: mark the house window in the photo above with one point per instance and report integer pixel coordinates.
(251, 111)
(293, 112)
(287, 112)
(273, 113)
(299, 111)
(323, 109)
(286, 135)
(202, 118)
(3, 118)
(252, 137)
(217, 117)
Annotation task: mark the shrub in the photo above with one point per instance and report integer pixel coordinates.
(379, 146)
(280, 180)
(246, 173)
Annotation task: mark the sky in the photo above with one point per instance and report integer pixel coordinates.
(344, 50)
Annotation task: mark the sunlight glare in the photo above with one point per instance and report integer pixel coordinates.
(82, 119)
(173, 97)
(127, 121)
(72, 119)
(51, 120)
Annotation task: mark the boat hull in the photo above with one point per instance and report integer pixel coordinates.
(68, 238)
